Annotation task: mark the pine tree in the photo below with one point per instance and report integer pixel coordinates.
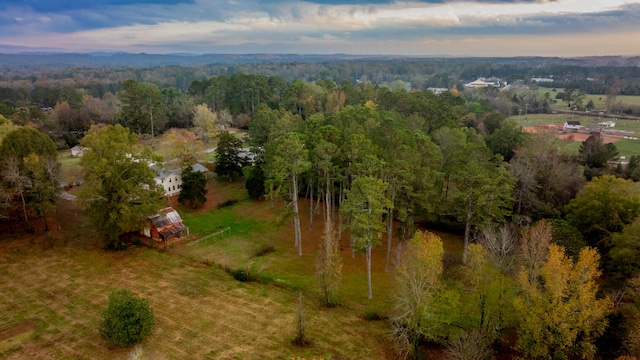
(228, 160)
(193, 188)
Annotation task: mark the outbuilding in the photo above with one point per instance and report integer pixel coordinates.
(166, 225)
(572, 125)
(78, 151)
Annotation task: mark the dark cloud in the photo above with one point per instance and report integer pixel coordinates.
(378, 2)
(67, 5)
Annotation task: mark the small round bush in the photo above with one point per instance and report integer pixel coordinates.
(127, 320)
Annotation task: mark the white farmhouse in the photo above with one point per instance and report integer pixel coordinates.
(171, 179)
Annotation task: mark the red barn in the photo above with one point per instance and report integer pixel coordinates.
(166, 225)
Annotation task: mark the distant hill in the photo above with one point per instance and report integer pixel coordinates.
(147, 60)
(18, 57)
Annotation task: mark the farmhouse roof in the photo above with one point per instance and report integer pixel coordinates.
(199, 168)
(168, 222)
(164, 173)
(574, 123)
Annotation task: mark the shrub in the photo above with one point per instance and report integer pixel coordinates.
(301, 325)
(264, 250)
(242, 275)
(227, 203)
(374, 314)
(127, 320)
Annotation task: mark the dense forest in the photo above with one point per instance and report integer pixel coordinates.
(540, 226)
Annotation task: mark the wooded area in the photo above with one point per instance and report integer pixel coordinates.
(550, 248)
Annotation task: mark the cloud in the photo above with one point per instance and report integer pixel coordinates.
(316, 26)
(67, 5)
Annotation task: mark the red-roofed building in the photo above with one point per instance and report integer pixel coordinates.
(166, 225)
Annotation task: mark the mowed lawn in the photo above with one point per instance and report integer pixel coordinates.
(599, 100)
(71, 169)
(55, 287)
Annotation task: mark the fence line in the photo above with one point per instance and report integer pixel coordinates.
(212, 235)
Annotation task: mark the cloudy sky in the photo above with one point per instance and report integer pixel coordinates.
(418, 27)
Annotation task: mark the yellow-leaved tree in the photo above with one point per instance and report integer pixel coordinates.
(425, 309)
(560, 312)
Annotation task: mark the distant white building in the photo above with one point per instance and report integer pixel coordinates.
(171, 179)
(484, 82)
(437, 91)
(607, 124)
(541, 80)
(78, 151)
(572, 125)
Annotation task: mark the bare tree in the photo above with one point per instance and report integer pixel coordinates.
(18, 180)
(473, 345)
(301, 324)
(534, 247)
(501, 245)
(329, 264)
(53, 171)
(5, 203)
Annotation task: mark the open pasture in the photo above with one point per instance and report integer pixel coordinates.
(599, 100)
(55, 287)
(626, 147)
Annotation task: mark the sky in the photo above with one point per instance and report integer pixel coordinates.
(564, 28)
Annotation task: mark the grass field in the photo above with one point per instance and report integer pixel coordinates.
(55, 287)
(559, 119)
(625, 147)
(71, 169)
(599, 101)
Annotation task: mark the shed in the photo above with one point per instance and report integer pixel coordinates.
(78, 151)
(572, 125)
(166, 225)
(607, 124)
(197, 167)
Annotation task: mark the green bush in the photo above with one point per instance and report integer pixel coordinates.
(374, 315)
(127, 320)
(227, 203)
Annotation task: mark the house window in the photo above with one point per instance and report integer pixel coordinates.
(174, 187)
(169, 180)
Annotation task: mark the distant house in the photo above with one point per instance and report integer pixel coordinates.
(78, 151)
(607, 124)
(248, 156)
(572, 125)
(437, 91)
(166, 225)
(171, 179)
(541, 80)
(484, 82)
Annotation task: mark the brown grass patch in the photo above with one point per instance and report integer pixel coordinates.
(200, 311)
(582, 137)
(571, 136)
(13, 336)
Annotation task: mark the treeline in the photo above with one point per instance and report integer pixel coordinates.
(595, 75)
(66, 113)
